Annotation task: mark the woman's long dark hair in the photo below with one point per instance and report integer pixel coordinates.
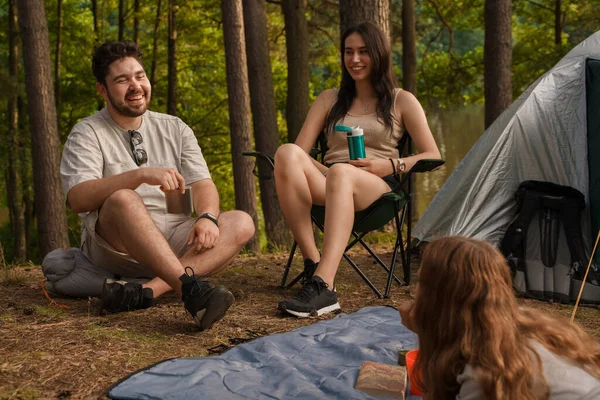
(382, 76)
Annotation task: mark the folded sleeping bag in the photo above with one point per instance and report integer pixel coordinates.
(70, 273)
(319, 361)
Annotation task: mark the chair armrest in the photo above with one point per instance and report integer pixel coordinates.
(260, 155)
(428, 164)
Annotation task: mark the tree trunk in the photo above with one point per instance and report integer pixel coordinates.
(59, 28)
(558, 23)
(239, 110)
(155, 43)
(409, 47)
(353, 12)
(136, 21)
(50, 202)
(497, 55)
(296, 42)
(13, 180)
(264, 114)
(172, 62)
(97, 36)
(26, 178)
(95, 16)
(121, 19)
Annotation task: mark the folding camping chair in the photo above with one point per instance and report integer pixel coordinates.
(394, 205)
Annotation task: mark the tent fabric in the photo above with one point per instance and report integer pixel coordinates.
(542, 136)
(319, 361)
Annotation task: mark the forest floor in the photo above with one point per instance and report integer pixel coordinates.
(49, 352)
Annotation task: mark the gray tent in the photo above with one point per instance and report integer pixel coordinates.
(541, 136)
(550, 133)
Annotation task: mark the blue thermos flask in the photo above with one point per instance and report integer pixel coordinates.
(356, 140)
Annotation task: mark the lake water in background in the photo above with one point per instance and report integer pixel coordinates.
(455, 131)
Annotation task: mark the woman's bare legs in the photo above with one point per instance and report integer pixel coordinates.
(348, 189)
(299, 185)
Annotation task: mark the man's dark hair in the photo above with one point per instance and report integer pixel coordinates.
(111, 51)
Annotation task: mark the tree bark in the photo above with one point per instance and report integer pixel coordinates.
(296, 43)
(264, 114)
(239, 110)
(59, 28)
(155, 43)
(49, 209)
(26, 178)
(136, 21)
(121, 19)
(353, 12)
(172, 62)
(97, 36)
(497, 55)
(13, 178)
(95, 16)
(409, 47)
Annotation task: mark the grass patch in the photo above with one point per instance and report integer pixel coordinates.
(22, 393)
(100, 331)
(13, 278)
(50, 312)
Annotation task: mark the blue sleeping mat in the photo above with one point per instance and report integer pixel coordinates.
(319, 361)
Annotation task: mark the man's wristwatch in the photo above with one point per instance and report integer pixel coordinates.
(400, 166)
(209, 216)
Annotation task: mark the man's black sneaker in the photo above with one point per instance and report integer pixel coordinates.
(118, 296)
(313, 299)
(206, 303)
(309, 270)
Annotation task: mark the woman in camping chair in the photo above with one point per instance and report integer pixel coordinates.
(368, 97)
(476, 343)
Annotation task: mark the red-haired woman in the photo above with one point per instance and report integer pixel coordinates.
(476, 343)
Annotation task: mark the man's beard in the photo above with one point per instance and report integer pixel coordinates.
(126, 110)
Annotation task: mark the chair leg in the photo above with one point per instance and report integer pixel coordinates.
(376, 258)
(408, 233)
(289, 264)
(363, 276)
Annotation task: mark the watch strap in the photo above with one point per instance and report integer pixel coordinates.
(210, 216)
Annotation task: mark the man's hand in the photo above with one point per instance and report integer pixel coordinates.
(167, 178)
(407, 312)
(205, 234)
(378, 166)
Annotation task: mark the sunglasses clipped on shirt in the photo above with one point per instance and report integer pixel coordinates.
(139, 154)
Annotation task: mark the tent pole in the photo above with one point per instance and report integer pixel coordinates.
(585, 278)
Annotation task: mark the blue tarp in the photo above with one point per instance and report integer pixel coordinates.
(319, 361)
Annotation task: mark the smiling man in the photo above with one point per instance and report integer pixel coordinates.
(117, 166)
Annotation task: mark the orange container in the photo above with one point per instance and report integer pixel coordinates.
(411, 357)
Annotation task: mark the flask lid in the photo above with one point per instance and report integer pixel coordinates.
(343, 128)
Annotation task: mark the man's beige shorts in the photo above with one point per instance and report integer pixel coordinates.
(174, 227)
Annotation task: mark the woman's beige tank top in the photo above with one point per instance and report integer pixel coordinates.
(379, 141)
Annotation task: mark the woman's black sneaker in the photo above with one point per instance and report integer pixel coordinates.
(313, 299)
(206, 303)
(309, 270)
(120, 296)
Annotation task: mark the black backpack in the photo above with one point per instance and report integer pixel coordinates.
(542, 266)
